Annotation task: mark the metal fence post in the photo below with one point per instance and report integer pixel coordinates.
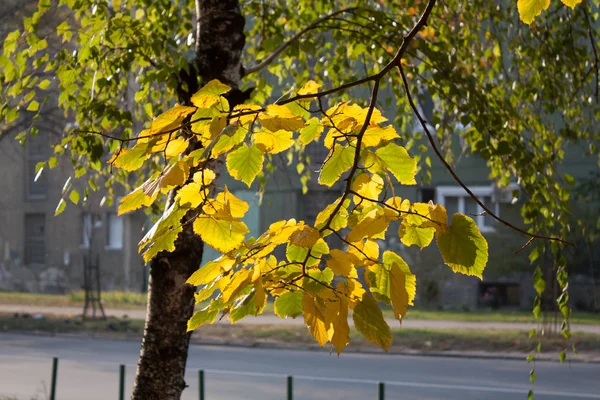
(201, 384)
(53, 382)
(290, 388)
(381, 391)
(122, 382)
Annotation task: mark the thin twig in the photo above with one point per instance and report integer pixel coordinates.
(294, 38)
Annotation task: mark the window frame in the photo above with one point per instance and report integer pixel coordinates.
(442, 192)
(121, 219)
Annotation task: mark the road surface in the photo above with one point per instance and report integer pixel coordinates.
(88, 369)
(274, 320)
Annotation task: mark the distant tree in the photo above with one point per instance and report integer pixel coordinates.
(495, 80)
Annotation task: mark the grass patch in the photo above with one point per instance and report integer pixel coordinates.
(296, 336)
(113, 299)
(577, 317)
(132, 300)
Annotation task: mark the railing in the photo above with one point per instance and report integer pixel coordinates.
(201, 376)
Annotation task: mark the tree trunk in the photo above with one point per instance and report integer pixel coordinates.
(163, 356)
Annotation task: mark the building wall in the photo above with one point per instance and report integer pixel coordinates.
(49, 258)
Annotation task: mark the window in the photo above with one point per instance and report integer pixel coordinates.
(37, 151)
(426, 195)
(35, 239)
(114, 231)
(456, 200)
(87, 230)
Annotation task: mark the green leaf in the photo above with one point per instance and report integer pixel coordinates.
(44, 84)
(288, 305)
(33, 106)
(245, 306)
(397, 161)
(74, 196)
(245, 163)
(60, 207)
(201, 317)
(562, 356)
(311, 131)
(369, 321)
(131, 159)
(414, 235)
(336, 164)
(52, 162)
(463, 247)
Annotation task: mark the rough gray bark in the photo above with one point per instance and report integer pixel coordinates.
(163, 356)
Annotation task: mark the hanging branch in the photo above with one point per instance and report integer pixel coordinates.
(423, 123)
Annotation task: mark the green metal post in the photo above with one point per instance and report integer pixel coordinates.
(53, 382)
(201, 384)
(290, 388)
(122, 382)
(381, 391)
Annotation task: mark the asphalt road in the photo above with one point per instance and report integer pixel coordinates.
(88, 370)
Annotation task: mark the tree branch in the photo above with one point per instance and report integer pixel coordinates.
(455, 176)
(294, 38)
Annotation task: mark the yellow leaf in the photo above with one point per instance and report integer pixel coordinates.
(259, 293)
(571, 3)
(347, 117)
(239, 281)
(410, 280)
(131, 159)
(374, 223)
(191, 195)
(529, 9)
(307, 236)
(363, 253)
(273, 142)
(280, 117)
(336, 314)
(222, 235)
(367, 185)
(375, 135)
(176, 147)
(314, 319)
(134, 200)
(167, 121)
(245, 163)
(399, 295)
(279, 232)
(341, 265)
(204, 177)
(310, 87)
(353, 291)
(210, 94)
(249, 112)
(339, 221)
(175, 175)
(210, 271)
(237, 207)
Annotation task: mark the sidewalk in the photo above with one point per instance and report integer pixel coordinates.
(270, 319)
